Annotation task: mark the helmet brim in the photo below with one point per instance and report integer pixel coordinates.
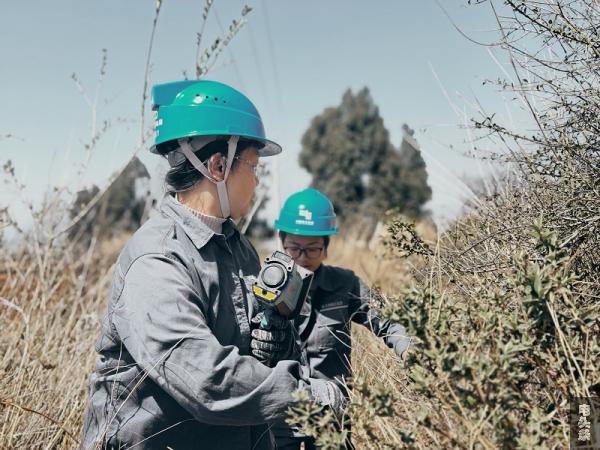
(304, 231)
(270, 148)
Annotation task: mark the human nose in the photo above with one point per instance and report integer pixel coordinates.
(302, 256)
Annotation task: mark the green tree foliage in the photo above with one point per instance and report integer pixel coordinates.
(402, 181)
(119, 209)
(347, 150)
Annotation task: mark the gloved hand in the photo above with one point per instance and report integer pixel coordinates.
(328, 393)
(402, 346)
(277, 343)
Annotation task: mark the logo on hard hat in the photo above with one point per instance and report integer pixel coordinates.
(307, 214)
(157, 123)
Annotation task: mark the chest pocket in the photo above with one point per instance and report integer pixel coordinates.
(332, 327)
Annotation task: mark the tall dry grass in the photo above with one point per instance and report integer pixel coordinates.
(53, 294)
(52, 299)
(374, 365)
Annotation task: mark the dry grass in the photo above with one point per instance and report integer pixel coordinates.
(372, 261)
(372, 361)
(52, 298)
(52, 301)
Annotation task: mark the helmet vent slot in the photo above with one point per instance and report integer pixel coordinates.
(190, 108)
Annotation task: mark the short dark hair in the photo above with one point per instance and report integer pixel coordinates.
(283, 235)
(183, 176)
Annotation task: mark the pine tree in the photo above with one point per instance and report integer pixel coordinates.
(402, 181)
(348, 152)
(120, 208)
(341, 146)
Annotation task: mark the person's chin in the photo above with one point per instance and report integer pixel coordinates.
(310, 267)
(246, 209)
(238, 215)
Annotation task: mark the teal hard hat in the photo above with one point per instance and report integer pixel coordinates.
(307, 213)
(205, 108)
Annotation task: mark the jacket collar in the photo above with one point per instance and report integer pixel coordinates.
(198, 232)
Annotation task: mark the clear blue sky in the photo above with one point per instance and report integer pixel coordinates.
(293, 59)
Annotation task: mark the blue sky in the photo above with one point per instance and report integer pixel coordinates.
(292, 59)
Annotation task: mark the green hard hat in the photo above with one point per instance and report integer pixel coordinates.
(307, 213)
(205, 108)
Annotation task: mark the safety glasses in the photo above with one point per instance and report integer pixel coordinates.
(255, 167)
(310, 252)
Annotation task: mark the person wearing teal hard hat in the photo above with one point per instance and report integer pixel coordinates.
(337, 298)
(176, 366)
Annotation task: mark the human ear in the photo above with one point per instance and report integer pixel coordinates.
(216, 166)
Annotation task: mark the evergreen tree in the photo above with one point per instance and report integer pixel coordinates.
(341, 146)
(348, 152)
(402, 181)
(120, 208)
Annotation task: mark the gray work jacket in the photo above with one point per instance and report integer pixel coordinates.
(338, 298)
(174, 365)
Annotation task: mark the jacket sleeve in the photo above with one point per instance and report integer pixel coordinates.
(394, 335)
(161, 324)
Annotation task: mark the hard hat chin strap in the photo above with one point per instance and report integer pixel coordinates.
(221, 185)
(188, 151)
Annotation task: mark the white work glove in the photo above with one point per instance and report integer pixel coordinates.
(277, 343)
(328, 393)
